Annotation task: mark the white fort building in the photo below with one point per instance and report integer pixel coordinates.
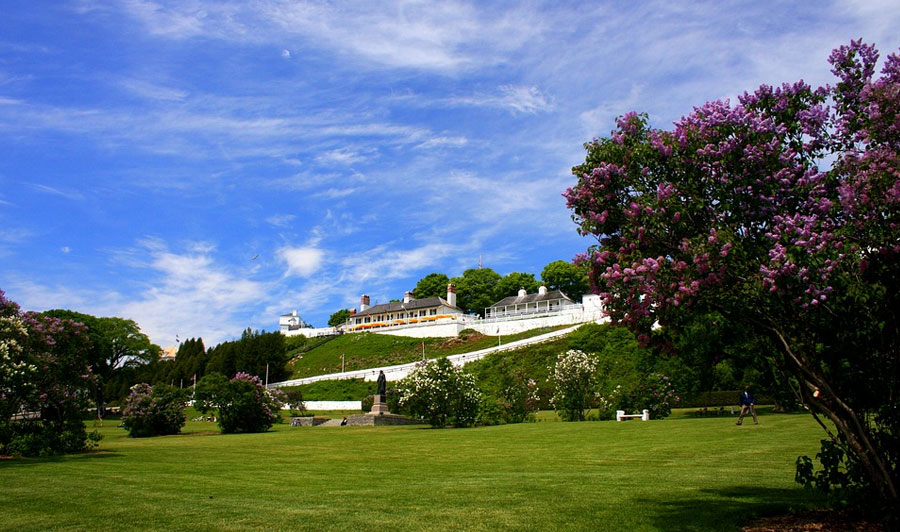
(440, 317)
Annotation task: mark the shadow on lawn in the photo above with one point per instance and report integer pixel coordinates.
(728, 508)
(12, 462)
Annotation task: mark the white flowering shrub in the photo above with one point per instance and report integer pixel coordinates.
(574, 377)
(519, 398)
(441, 394)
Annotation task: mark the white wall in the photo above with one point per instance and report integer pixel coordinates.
(331, 405)
(311, 333)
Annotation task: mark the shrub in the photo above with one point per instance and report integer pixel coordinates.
(242, 403)
(654, 393)
(293, 398)
(574, 379)
(441, 394)
(155, 411)
(490, 411)
(519, 400)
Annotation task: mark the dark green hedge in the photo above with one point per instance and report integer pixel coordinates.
(722, 398)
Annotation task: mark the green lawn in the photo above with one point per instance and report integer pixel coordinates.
(676, 474)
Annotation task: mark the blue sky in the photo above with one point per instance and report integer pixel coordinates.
(202, 167)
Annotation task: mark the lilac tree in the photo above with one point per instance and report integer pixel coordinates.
(782, 212)
(45, 383)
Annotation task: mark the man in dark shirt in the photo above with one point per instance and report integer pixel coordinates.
(748, 402)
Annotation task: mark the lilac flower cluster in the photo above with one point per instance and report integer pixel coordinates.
(741, 196)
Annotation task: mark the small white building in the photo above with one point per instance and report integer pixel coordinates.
(291, 322)
(543, 302)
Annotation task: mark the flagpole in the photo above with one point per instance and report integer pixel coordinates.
(267, 375)
(342, 362)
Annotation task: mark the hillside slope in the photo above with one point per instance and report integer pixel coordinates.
(370, 350)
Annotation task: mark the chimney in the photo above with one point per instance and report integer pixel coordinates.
(522, 292)
(407, 297)
(542, 290)
(294, 313)
(363, 303)
(353, 312)
(451, 295)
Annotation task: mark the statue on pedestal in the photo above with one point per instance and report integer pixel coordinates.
(382, 385)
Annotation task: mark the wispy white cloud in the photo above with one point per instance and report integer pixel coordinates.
(56, 191)
(153, 91)
(281, 220)
(448, 36)
(443, 142)
(301, 261)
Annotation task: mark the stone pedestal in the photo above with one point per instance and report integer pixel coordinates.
(379, 407)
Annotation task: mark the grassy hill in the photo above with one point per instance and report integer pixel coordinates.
(320, 356)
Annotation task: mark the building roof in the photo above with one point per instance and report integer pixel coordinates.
(399, 306)
(550, 295)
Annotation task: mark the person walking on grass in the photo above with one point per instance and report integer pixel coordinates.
(748, 402)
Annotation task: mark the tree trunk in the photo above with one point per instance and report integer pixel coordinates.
(816, 392)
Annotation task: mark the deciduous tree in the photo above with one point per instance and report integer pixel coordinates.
(475, 289)
(782, 212)
(571, 279)
(432, 285)
(511, 283)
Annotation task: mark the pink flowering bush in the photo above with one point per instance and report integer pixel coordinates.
(242, 403)
(781, 212)
(45, 383)
(155, 411)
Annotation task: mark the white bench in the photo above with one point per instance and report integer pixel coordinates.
(645, 416)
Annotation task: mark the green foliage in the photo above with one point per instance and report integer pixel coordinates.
(339, 317)
(156, 411)
(510, 284)
(432, 285)
(574, 380)
(251, 354)
(566, 277)
(519, 400)
(242, 404)
(719, 398)
(475, 289)
(293, 398)
(655, 393)
(190, 361)
(441, 394)
(114, 344)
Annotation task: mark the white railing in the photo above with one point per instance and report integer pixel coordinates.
(399, 371)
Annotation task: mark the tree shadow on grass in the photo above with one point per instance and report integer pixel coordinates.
(21, 462)
(727, 508)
